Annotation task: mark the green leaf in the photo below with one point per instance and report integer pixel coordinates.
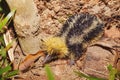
(49, 73)
(80, 74)
(12, 73)
(112, 72)
(1, 9)
(110, 67)
(6, 19)
(6, 69)
(1, 40)
(1, 78)
(3, 52)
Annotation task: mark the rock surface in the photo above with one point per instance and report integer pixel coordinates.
(27, 24)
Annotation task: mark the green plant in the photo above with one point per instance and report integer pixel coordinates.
(6, 20)
(80, 74)
(49, 73)
(0, 6)
(6, 71)
(112, 72)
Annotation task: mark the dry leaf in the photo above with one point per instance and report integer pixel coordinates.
(29, 60)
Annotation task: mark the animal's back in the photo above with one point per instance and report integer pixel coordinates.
(80, 31)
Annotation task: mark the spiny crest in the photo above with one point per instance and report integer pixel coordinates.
(56, 45)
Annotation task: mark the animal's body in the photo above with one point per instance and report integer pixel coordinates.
(78, 32)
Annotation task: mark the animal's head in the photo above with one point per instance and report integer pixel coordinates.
(55, 48)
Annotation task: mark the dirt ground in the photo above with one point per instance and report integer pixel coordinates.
(53, 14)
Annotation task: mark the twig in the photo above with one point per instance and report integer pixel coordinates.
(8, 39)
